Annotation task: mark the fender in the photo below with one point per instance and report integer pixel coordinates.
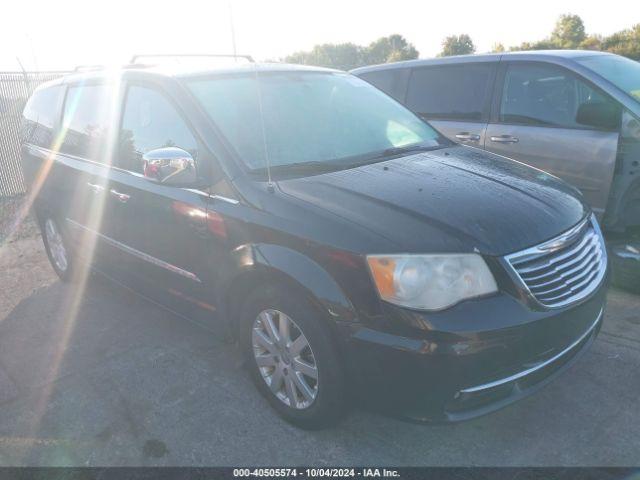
(273, 261)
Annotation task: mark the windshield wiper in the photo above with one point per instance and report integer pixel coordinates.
(393, 152)
(390, 152)
(319, 166)
(303, 167)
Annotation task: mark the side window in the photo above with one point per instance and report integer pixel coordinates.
(40, 115)
(546, 95)
(149, 122)
(86, 121)
(389, 81)
(450, 92)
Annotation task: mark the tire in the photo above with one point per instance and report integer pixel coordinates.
(625, 263)
(277, 303)
(56, 246)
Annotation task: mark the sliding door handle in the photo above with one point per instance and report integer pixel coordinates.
(504, 139)
(467, 137)
(95, 187)
(121, 197)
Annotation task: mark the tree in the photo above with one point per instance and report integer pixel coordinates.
(457, 45)
(346, 56)
(569, 32)
(591, 42)
(625, 42)
(539, 45)
(393, 48)
(497, 48)
(343, 56)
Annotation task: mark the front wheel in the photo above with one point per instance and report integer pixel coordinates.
(292, 358)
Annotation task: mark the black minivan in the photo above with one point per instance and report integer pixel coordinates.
(350, 249)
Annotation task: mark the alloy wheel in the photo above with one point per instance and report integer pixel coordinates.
(56, 245)
(285, 359)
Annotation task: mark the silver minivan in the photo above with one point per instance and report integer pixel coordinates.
(573, 113)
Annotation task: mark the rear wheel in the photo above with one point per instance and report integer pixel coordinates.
(292, 358)
(56, 247)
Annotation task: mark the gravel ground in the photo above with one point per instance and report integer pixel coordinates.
(23, 264)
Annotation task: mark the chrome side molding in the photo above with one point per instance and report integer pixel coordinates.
(137, 253)
(56, 156)
(232, 201)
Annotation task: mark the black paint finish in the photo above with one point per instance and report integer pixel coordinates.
(451, 200)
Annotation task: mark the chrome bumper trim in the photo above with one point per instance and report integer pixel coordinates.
(531, 370)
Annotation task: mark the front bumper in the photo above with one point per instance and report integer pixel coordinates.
(480, 399)
(470, 360)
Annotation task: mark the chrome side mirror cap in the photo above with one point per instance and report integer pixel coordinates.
(170, 166)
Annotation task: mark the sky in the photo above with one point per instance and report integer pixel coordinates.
(60, 34)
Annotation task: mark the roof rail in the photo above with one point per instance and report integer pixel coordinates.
(135, 58)
(88, 68)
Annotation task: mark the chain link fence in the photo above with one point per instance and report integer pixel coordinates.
(15, 89)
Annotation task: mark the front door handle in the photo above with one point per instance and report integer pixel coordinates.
(504, 139)
(467, 137)
(122, 197)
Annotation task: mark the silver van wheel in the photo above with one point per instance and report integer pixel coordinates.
(285, 359)
(56, 245)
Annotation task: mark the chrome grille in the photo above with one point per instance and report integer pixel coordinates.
(565, 269)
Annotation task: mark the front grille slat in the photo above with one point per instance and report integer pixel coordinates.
(588, 250)
(568, 286)
(593, 257)
(554, 258)
(572, 290)
(564, 270)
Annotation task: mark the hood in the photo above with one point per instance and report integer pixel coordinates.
(456, 199)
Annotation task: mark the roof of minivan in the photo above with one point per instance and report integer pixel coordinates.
(185, 71)
(487, 57)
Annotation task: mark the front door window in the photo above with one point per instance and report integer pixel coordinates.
(150, 122)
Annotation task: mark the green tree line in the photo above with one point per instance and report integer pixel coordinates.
(346, 56)
(569, 33)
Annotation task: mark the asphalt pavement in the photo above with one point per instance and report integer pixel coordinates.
(113, 380)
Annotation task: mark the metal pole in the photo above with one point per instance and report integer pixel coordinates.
(26, 77)
(233, 32)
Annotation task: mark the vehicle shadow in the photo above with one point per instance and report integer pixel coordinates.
(95, 358)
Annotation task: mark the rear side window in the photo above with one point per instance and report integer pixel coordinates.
(87, 120)
(546, 95)
(451, 92)
(389, 81)
(40, 115)
(149, 122)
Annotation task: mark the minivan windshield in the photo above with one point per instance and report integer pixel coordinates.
(312, 120)
(622, 72)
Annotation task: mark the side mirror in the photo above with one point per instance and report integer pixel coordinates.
(170, 166)
(602, 115)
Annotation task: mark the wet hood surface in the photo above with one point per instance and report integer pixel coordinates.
(451, 200)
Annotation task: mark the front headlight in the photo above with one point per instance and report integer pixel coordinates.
(430, 282)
